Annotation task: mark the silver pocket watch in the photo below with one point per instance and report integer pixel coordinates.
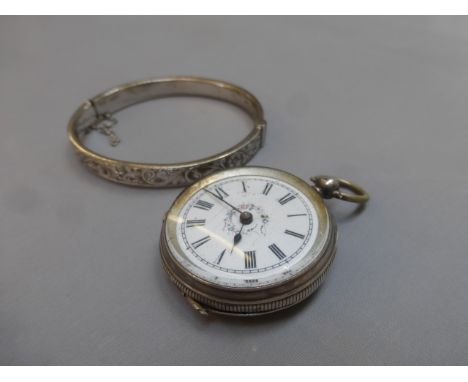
(251, 240)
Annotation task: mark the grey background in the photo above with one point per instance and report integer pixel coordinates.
(379, 100)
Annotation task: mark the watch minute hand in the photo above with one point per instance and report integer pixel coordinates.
(218, 197)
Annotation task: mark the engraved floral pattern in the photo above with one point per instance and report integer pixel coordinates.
(135, 175)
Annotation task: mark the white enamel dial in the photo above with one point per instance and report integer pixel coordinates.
(247, 231)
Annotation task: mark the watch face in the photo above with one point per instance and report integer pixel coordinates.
(246, 229)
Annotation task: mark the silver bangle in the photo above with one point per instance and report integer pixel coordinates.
(96, 114)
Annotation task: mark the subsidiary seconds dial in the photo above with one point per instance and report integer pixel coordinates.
(246, 230)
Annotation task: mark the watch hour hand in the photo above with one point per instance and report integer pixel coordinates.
(237, 238)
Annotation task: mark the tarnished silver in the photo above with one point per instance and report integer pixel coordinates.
(209, 297)
(97, 114)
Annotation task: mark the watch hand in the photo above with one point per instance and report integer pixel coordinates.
(237, 238)
(218, 197)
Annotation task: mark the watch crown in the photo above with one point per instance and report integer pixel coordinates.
(330, 187)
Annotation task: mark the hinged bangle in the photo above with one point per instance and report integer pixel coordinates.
(97, 114)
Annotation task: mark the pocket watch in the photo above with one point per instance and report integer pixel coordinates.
(251, 240)
(238, 240)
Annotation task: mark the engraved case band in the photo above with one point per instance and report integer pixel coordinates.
(97, 114)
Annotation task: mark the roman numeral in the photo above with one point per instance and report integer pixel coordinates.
(295, 234)
(290, 216)
(250, 260)
(203, 205)
(200, 242)
(278, 252)
(195, 223)
(221, 193)
(220, 257)
(244, 188)
(286, 198)
(267, 188)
